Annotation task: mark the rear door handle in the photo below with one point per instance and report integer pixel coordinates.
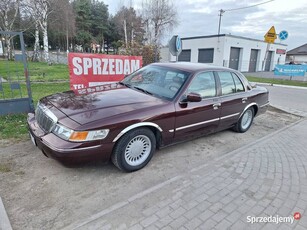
(244, 99)
(216, 106)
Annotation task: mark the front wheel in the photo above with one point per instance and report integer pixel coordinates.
(134, 150)
(245, 121)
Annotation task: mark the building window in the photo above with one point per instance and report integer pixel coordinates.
(185, 55)
(205, 55)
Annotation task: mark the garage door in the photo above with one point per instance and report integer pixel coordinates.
(185, 55)
(205, 55)
(234, 58)
(253, 60)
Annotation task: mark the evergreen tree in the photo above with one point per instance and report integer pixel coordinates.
(83, 22)
(99, 19)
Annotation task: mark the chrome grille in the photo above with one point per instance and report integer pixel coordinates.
(45, 118)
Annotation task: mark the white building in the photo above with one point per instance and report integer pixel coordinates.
(298, 55)
(241, 53)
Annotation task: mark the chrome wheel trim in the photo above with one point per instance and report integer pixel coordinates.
(247, 119)
(137, 150)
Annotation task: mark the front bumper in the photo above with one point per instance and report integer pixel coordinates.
(66, 152)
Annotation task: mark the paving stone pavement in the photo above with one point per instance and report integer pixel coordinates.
(266, 178)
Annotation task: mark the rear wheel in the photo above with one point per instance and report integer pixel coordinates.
(134, 150)
(245, 121)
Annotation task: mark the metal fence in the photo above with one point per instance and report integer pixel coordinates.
(56, 57)
(15, 88)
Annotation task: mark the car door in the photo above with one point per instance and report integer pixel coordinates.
(233, 98)
(198, 118)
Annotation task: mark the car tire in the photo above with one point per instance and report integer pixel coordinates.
(245, 121)
(134, 150)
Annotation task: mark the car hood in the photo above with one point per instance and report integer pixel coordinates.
(95, 106)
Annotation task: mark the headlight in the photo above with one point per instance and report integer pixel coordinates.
(78, 136)
(62, 131)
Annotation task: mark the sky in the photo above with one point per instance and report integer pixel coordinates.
(200, 18)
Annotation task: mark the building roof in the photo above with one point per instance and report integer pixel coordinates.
(301, 50)
(227, 35)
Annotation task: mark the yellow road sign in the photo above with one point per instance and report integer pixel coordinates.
(270, 36)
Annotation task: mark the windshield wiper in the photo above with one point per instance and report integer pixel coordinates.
(143, 90)
(125, 84)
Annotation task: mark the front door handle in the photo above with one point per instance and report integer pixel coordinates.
(216, 106)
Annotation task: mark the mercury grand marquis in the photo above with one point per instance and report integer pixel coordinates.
(156, 106)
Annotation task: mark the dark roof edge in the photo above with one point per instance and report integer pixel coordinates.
(205, 36)
(228, 35)
(293, 51)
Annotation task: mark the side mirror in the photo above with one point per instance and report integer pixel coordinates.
(253, 84)
(193, 97)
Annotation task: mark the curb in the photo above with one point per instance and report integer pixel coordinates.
(291, 111)
(284, 86)
(4, 220)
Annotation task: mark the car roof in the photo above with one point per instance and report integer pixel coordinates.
(191, 67)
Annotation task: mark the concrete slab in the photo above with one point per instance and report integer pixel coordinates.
(266, 178)
(4, 220)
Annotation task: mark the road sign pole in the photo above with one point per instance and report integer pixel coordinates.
(265, 56)
(175, 46)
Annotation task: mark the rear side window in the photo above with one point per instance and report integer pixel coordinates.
(238, 83)
(227, 83)
(230, 83)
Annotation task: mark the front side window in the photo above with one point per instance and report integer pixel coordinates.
(203, 84)
(157, 81)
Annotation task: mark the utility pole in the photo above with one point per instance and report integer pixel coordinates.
(220, 15)
(240, 8)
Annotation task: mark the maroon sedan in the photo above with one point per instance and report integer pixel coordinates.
(158, 105)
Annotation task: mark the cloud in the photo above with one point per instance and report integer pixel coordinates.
(204, 10)
(200, 17)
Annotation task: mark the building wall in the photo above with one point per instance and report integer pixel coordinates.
(299, 58)
(247, 45)
(200, 43)
(222, 46)
(165, 54)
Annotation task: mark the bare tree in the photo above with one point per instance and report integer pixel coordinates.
(36, 43)
(159, 16)
(8, 13)
(129, 25)
(62, 20)
(40, 11)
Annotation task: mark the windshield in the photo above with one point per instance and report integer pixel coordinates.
(157, 81)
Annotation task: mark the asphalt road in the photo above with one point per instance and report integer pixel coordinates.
(292, 100)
